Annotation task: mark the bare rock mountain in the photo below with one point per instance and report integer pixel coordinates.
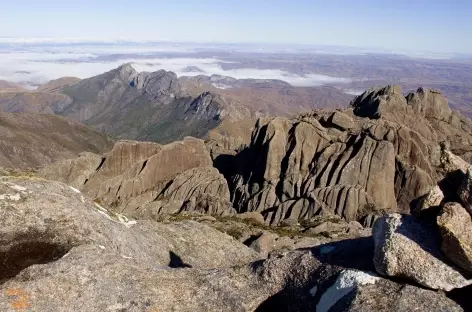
(269, 96)
(384, 154)
(152, 106)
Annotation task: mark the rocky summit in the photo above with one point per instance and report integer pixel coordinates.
(366, 208)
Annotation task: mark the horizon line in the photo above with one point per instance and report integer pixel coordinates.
(34, 40)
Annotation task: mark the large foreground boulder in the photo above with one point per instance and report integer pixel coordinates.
(407, 248)
(455, 225)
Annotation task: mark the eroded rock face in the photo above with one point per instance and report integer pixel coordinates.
(455, 225)
(296, 170)
(407, 248)
(432, 200)
(144, 179)
(430, 104)
(383, 155)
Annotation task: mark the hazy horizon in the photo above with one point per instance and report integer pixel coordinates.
(425, 26)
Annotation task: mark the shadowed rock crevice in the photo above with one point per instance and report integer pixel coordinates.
(462, 297)
(101, 163)
(26, 252)
(177, 262)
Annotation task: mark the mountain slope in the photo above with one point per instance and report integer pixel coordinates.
(269, 96)
(32, 102)
(6, 86)
(33, 140)
(151, 106)
(58, 84)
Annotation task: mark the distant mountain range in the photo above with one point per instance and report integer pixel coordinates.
(158, 106)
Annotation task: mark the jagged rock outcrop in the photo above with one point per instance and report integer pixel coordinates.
(433, 199)
(297, 170)
(407, 248)
(144, 179)
(383, 154)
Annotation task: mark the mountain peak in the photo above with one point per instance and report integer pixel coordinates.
(127, 71)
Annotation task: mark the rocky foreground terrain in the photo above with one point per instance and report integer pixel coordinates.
(366, 208)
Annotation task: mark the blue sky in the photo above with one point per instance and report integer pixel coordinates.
(434, 26)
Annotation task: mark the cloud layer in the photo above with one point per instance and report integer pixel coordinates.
(33, 65)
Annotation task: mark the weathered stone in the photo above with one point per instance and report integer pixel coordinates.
(452, 163)
(432, 199)
(60, 251)
(465, 191)
(252, 216)
(297, 185)
(455, 225)
(75, 172)
(295, 281)
(143, 179)
(342, 121)
(327, 227)
(406, 248)
(50, 218)
(430, 104)
(374, 103)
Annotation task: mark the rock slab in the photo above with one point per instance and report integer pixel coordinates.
(407, 248)
(455, 225)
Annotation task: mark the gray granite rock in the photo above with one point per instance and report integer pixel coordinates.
(455, 225)
(407, 248)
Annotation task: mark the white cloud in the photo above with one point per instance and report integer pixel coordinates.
(353, 91)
